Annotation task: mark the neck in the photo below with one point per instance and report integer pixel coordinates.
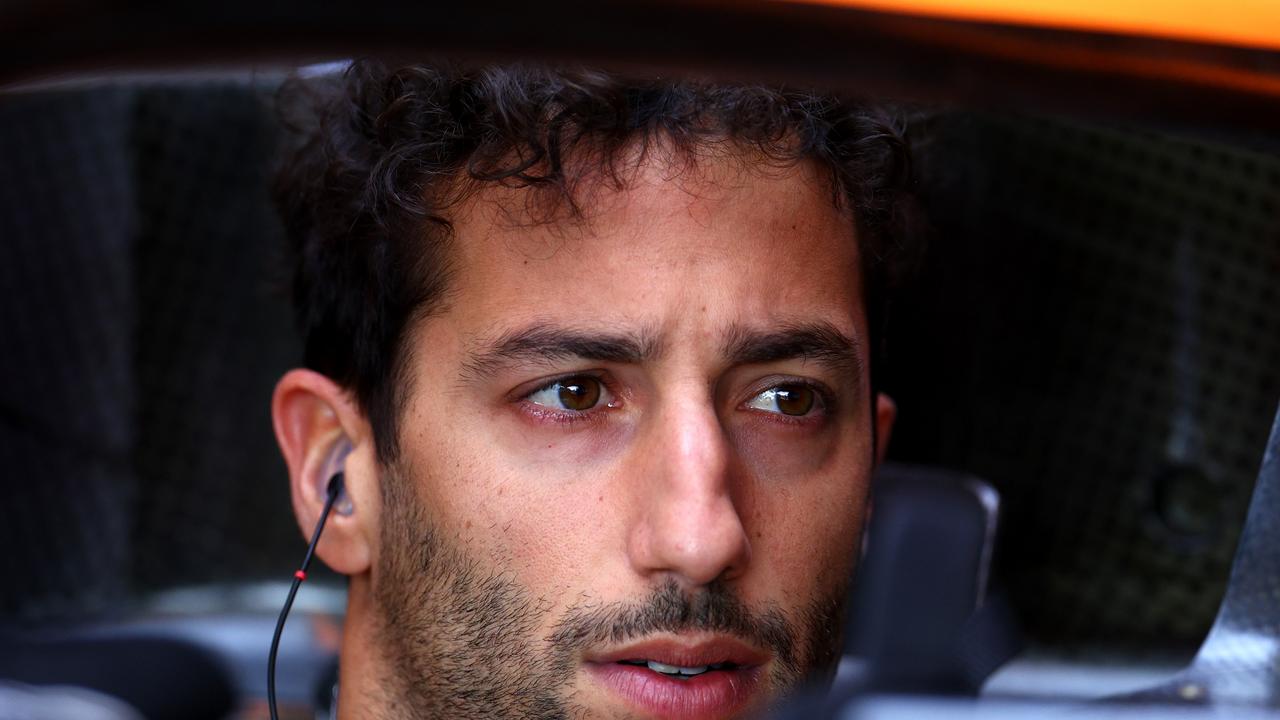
(360, 694)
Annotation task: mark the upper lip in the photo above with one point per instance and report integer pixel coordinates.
(684, 651)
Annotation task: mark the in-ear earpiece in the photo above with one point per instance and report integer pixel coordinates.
(334, 492)
(335, 464)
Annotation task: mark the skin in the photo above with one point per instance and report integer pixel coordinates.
(685, 478)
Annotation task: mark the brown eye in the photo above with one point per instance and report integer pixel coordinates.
(578, 394)
(791, 399)
(573, 396)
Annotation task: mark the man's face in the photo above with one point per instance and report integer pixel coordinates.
(634, 454)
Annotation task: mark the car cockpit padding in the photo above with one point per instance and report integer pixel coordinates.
(1239, 661)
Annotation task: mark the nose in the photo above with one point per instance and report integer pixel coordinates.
(688, 526)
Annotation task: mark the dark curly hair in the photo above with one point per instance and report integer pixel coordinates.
(382, 155)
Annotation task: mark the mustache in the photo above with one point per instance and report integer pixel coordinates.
(714, 608)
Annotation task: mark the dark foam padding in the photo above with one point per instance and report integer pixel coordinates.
(162, 678)
(923, 578)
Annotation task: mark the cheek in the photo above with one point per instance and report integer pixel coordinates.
(552, 535)
(526, 502)
(805, 536)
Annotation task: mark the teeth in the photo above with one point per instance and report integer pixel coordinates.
(666, 669)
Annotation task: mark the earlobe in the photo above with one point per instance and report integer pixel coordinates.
(886, 412)
(322, 432)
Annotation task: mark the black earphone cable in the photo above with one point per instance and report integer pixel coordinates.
(333, 491)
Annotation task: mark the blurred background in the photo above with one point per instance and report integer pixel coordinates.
(1094, 331)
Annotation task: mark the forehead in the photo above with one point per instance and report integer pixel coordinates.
(731, 239)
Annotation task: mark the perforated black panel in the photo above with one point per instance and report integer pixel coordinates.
(1098, 333)
(66, 309)
(214, 334)
(145, 325)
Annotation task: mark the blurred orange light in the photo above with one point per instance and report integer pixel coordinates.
(1251, 23)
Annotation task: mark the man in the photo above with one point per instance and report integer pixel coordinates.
(595, 357)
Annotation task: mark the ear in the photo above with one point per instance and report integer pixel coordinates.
(886, 411)
(313, 418)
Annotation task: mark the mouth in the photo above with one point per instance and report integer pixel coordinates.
(683, 679)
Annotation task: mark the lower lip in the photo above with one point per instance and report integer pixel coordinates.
(713, 694)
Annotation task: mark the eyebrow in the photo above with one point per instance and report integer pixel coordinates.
(820, 342)
(545, 343)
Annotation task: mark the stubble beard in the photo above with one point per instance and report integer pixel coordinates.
(461, 641)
